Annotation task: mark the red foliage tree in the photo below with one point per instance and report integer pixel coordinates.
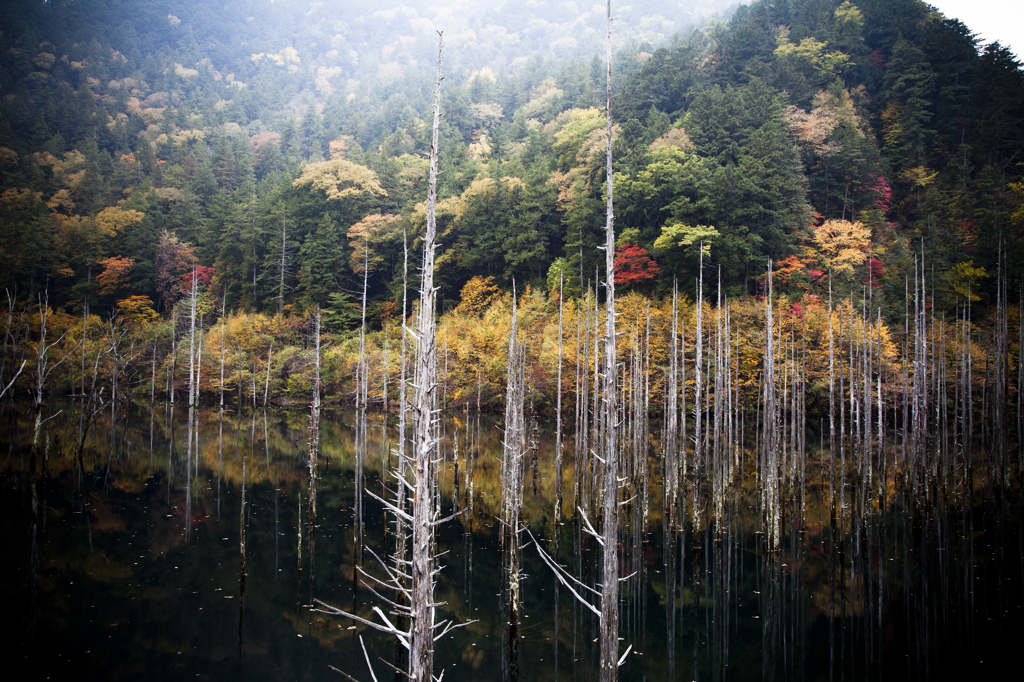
(883, 192)
(874, 273)
(633, 265)
(203, 275)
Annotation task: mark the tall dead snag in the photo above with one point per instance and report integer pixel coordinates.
(610, 581)
(670, 442)
(770, 494)
(605, 439)
(421, 652)
(832, 404)
(415, 589)
(362, 369)
(193, 299)
(314, 427)
(698, 392)
(512, 474)
(43, 368)
(558, 408)
(403, 460)
(282, 266)
(223, 341)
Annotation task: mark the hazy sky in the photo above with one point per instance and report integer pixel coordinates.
(1001, 20)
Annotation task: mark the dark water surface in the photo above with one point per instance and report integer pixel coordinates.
(128, 564)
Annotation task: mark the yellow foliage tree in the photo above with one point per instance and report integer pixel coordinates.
(810, 57)
(114, 219)
(842, 244)
(675, 137)
(138, 309)
(477, 295)
(370, 231)
(963, 279)
(340, 179)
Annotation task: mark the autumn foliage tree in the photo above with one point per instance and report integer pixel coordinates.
(174, 258)
(203, 275)
(633, 265)
(842, 244)
(138, 310)
(366, 236)
(114, 277)
(478, 295)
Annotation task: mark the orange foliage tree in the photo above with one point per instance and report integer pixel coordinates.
(115, 274)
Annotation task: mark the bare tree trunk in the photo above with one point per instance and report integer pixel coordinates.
(610, 578)
(558, 409)
(671, 443)
(421, 654)
(152, 379)
(239, 377)
(361, 371)
(174, 356)
(199, 360)
(698, 443)
(43, 369)
(85, 333)
(282, 266)
(770, 443)
(193, 296)
(831, 401)
(223, 341)
(314, 430)
(512, 474)
(270, 353)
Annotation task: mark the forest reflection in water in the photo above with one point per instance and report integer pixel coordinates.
(140, 557)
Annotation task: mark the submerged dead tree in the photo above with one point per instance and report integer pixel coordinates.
(670, 442)
(421, 606)
(512, 475)
(558, 408)
(606, 442)
(314, 428)
(413, 581)
(44, 366)
(610, 580)
(770, 494)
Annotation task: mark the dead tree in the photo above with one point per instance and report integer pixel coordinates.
(13, 339)
(44, 366)
(770, 494)
(606, 440)
(415, 589)
(610, 581)
(223, 341)
(558, 408)
(192, 299)
(512, 475)
(670, 442)
(421, 602)
(282, 266)
(314, 426)
(362, 368)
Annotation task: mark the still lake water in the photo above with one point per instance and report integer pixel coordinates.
(128, 565)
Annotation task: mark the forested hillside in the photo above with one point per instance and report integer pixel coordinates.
(276, 152)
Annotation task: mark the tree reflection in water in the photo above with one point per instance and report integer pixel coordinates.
(135, 550)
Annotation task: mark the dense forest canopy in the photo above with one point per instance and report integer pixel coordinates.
(279, 147)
